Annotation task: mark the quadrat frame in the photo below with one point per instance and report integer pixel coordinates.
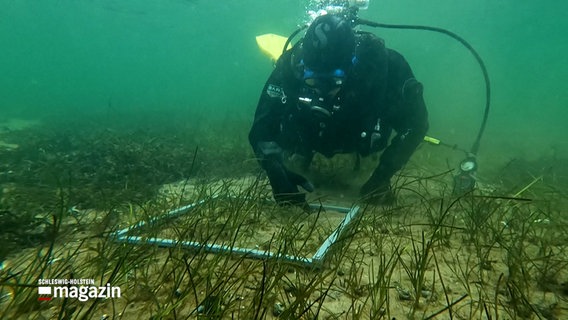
(315, 261)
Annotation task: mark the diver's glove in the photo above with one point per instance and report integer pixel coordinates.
(377, 190)
(284, 182)
(285, 188)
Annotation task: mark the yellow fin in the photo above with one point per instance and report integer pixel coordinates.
(272, 45)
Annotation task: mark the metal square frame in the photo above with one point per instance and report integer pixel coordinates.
(316, 260)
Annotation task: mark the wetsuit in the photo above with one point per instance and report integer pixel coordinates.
(379, 95)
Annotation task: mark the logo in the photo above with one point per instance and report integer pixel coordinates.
(80, 289)
(275, 91)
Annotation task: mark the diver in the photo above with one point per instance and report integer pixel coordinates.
(338, 91)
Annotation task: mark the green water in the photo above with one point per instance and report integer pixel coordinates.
(77, 58)
(70, 70)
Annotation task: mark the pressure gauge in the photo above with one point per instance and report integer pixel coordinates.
(468, 165)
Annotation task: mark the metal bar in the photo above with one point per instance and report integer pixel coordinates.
(214, 248)
(330, 207)
(122, 236)
(168, 215)
(320, 253)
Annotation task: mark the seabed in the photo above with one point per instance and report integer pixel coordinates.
(181, 220)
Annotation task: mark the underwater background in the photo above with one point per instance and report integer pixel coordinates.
(73, 59)
(113, 112)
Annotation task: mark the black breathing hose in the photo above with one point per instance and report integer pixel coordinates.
(475, 147)
(294, 34)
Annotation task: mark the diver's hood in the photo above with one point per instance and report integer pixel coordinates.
(328, 44)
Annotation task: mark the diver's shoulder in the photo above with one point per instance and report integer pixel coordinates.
(284, 59)
(370, 48)
(370, 42)
(365, 37)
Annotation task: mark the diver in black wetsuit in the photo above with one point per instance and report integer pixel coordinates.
(338, 91)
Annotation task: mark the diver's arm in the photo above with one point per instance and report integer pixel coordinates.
(270, 110)
(408, 116)
(263, 138)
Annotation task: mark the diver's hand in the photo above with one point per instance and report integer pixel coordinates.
(292, 199)
(296, 199)
(286, 190)
(377, 190)
(299, 180)
(285, 185)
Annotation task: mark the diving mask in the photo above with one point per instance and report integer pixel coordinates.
(324, 82)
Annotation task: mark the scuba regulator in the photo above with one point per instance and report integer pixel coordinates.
(318, 106)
